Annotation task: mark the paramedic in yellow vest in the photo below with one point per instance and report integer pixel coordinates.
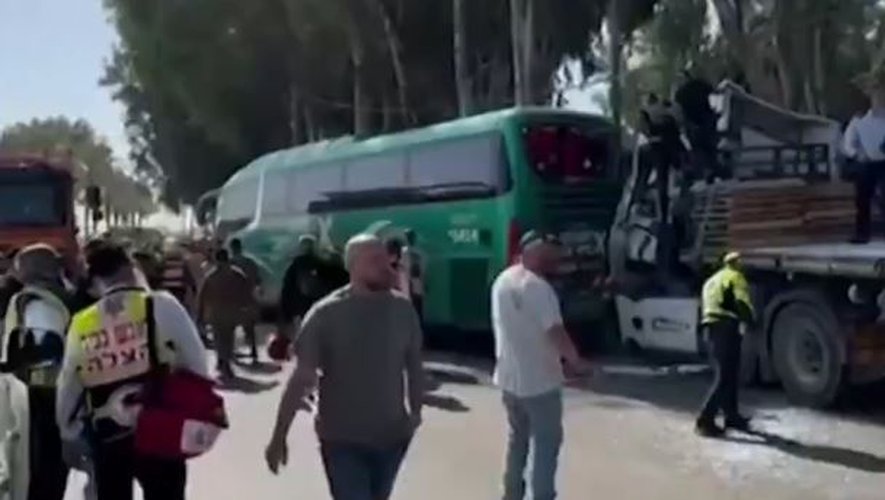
(35, 324)
(105, 366)
(726, 304)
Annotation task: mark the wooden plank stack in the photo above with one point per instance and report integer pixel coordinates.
(742, 217)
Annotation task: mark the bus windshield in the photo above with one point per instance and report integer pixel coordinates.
(566, 152)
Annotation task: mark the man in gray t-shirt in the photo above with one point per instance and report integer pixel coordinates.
(356, 345)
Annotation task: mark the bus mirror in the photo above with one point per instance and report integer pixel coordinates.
(97, 216)
(93, 197)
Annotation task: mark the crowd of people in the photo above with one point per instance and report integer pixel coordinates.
(86, 362)
(82, 348)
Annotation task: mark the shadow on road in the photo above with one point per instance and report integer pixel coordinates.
(245, 385)
(445, 403)
(833, 455)
(684, 393)
(436, 377)
(259, 368)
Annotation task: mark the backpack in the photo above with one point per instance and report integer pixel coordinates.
(36, 356)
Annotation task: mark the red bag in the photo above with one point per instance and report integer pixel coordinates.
(278, 348)
(182, 415)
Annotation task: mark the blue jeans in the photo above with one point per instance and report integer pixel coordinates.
(536, 424)
(359, 472)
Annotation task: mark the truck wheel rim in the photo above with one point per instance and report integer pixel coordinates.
(808, 355)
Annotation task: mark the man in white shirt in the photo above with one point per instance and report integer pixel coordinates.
(864, 143)
(530, 344)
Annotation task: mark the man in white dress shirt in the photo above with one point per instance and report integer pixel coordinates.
(864, 143)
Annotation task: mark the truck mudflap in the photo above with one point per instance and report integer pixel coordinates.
(866, 353)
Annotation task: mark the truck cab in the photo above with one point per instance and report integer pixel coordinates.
(786, 208)
(37, 206)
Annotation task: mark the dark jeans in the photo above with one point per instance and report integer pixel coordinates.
(49, 473)
(361, 473)
(117, 467)
(869, 177)
(725, 355)
(224, 339)
(703, 138)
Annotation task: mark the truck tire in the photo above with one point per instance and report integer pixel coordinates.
(809, 356)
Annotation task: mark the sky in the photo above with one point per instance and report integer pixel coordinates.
(52, 54)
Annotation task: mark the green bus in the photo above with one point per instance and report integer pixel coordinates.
(467, 189)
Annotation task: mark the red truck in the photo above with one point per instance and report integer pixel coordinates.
(37, 206)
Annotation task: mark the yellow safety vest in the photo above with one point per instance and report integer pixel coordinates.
(43, 374)
(110, 339)
(725, 295)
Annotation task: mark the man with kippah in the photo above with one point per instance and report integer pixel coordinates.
(531, 343)
(33, 347)
(726, 303)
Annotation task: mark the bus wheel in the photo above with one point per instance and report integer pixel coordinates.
(808, 354)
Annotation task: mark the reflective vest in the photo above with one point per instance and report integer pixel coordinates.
(39, 352)
(726, 296)
(110, 349)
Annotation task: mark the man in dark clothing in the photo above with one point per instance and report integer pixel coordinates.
(251, 312)
(726, 303)
(221, 299)
(693, 98)
(305, 281)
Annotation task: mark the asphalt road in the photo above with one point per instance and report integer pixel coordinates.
(628, 435)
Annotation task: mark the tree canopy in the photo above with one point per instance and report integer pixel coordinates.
(210, 84)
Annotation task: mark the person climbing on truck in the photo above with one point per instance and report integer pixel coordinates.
(726, 304)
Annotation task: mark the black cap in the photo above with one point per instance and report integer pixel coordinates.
(534, 236)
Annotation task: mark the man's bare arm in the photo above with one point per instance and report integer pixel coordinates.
(563, 342)
(301, 383)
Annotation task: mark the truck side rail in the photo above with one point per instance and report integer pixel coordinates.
(838, 260)
(812, 162)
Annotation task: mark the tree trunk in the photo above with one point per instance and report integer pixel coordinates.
(528, 50)
(615, 52)
(386, 114)
(615, 92)
(819, 73)
(516, 35)
(310, 125)
(462, 76)
(731, 19)
(360, 98)
(394, 46)
(296, 130)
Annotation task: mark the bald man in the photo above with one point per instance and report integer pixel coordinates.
(366, 427)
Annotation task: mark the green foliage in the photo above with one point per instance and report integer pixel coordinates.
(211, 84)
(94, 157)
